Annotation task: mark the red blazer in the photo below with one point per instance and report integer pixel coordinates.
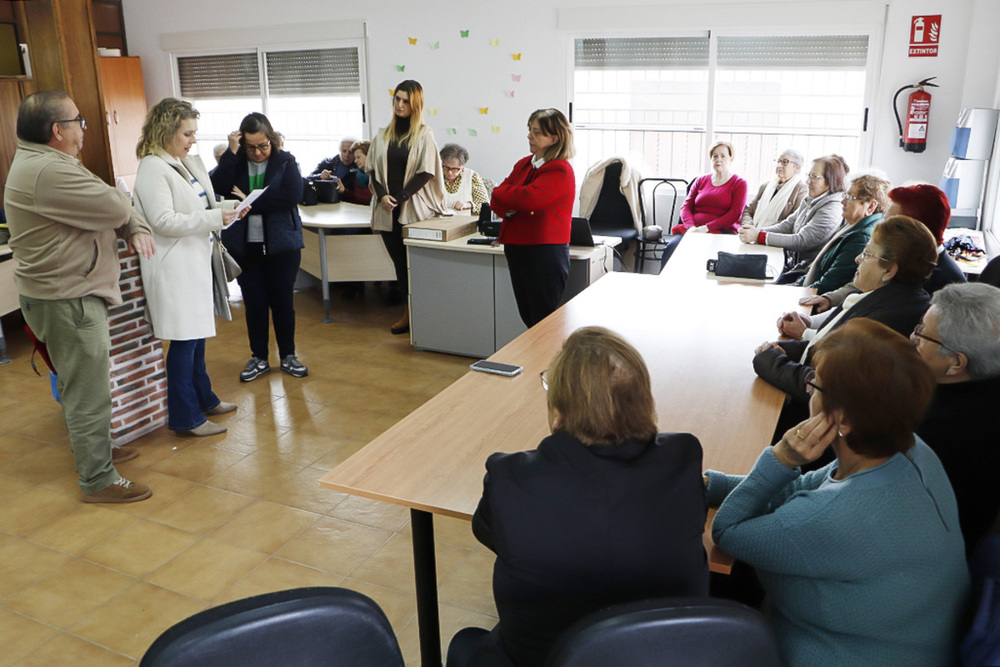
(542, 201)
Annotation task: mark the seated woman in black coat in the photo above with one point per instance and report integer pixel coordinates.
(604, 511)
(891, 270)
(959, 338)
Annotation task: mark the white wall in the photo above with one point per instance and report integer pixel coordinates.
(465, 74)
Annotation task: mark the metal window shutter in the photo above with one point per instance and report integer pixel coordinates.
(314, 72)
(642, 52)
(231, 75)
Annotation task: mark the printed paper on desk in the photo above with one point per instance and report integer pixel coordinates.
(251, 198)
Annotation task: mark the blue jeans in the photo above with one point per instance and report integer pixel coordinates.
(189, 389)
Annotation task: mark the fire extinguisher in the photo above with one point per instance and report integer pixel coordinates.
(918, 115)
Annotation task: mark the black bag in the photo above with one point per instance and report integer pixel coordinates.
(308, 193)
(730, 265)
(326, 192)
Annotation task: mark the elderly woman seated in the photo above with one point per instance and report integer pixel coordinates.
(861, 561)
(959, 339)
(927, 204)
(464, 189)
(803, 233)
(604, 511)
(781, 196)
(891, 270)
(866, 199)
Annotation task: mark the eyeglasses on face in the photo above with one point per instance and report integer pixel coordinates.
(918, 332)
(815, 177)
(79, 119)
(453, 169)
(853, 198)
(812, 387)
(868, 254)
(543, 376)
(783, 162)
(259, 148)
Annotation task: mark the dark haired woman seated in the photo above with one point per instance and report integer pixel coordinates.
(604, 511)
(862, 561)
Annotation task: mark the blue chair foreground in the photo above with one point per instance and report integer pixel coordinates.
(301, 627)
(669, 631)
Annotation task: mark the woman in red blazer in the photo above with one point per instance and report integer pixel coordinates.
(536, 203)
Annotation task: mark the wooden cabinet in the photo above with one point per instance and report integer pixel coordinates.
(124, 104)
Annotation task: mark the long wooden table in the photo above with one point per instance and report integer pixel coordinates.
(688, 261)
(697, 337)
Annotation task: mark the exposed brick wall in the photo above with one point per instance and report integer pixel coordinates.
(138, 372)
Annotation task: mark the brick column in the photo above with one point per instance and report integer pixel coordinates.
(138, 371)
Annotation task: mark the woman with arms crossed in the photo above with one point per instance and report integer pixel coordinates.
(174, 193)
(406, 180)
(536, 203)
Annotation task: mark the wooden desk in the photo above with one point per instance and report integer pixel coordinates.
(342, 257)
(695, 250)
(698, 342)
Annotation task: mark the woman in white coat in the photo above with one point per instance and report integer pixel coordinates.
(173, 191)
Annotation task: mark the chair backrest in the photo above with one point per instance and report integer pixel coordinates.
(612, 215)
(302, 627)
(669, 631)
(991, 274)
(675, 189)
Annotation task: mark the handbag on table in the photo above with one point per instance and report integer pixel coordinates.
(732, 265)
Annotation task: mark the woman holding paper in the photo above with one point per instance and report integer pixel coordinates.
(268, 242)
(174, 193)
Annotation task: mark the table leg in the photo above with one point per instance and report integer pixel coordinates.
(425, 571)
(324, 275)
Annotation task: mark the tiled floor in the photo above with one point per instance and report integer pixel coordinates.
(232, 515)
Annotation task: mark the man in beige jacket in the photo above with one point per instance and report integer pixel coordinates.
(64, 223)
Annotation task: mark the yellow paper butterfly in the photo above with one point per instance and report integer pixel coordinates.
(433, 112)
(484, 110)
(496, 129)
(413, 40)
(515, 56)
(494, 42)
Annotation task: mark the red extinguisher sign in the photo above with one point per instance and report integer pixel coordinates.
(925, 31)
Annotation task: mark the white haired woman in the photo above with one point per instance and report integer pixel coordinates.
(779, 197)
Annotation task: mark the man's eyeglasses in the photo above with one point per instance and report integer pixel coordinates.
(259, 148)
(918, 332)
(545, 380)
(79, 119)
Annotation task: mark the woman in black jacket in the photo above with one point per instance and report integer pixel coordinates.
(604, 511)
(267, 243)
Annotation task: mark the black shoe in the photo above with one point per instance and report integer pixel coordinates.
(396, 331)
(254, 369)
(294, 367)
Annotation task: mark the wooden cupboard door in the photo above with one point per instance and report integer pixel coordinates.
(125, 111)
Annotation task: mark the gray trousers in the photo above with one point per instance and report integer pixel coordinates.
(76, 334)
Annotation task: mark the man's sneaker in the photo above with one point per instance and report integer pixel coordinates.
(254, 369)
(121, 491)
(123, 454)
(294, 367)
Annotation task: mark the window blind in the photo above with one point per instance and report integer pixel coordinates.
(816, 52)
(314, 72)
(642, 52)
(230, 75)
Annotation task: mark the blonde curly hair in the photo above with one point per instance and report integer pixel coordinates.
(162, 123)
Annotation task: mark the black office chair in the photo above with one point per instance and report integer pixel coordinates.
(301, 627)
(652, 249)
(991, 274)
(612, 215)
(669, 631)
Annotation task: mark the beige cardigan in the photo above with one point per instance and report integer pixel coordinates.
(429, 201)
(590, 190)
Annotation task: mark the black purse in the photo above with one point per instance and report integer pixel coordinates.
(730, 265)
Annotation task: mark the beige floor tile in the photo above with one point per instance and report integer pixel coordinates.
(65, 649)
(302, 447)
(452, 619)
(471, 585)
(154, 448)
(277, 574)
(33, 509)
(399, 607)
(14, 446)
(81, 528)
(456, 532)
(254, 475)
(334, 545)
(197, 464)
(207, 569)
(282, 523)
(372, 513)
(340, 454)
(140, 547)
(22, 563)
(166, 489)
(248, 430)
(21, 636)
(10, 487)
(68, 594)
(392, 565)
(304, 492)
(202, 509)
(130, 622)
(39, 464)
(51, 430)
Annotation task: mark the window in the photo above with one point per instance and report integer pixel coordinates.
(663, 100)
(312, 97)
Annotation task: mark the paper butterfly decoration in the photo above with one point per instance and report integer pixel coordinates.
(494, 42)
(433, 111)
(400, 68)
(434, 46)
(473, 133)
(413, 40)
(496, 129)
(515, 56)
(509, 93)
(484, 110)
(452, 130)
(391, 92)
(515, 77)
(464, 33)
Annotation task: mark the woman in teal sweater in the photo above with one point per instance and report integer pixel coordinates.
(865, 202)
(862, 561)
